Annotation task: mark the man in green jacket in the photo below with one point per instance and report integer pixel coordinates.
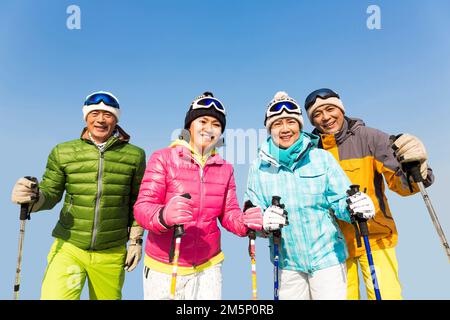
(100, 173)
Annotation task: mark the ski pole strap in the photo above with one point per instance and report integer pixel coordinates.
(363, 228)
(412, 169)
(276, 237)
(357, 234)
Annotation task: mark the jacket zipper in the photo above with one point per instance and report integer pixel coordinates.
(97, 201)
(307, 260)
(70, 204)
(201, 199)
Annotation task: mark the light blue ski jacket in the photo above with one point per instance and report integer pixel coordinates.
(314, 193)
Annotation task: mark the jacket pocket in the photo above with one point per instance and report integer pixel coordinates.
(66, 218)
(312, 183)
(352, 169)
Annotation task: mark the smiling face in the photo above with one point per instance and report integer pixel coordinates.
(328, 119)
(101, 125)
(205, 131)
(285, 132)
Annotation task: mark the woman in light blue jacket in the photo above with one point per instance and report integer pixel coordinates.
(313, 187)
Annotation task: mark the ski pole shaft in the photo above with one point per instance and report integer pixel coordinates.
(253, 262)
(252, 252)
(364, 232)
(23, 217)
(177, 234)
(173, 283)
(434, 218)
(276, 255)
(276, 272)
(412, 169)
(376, 288)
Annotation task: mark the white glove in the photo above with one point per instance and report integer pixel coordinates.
(27, 191)
(361, 205)
(409, 148)
(134, 252)
(273, 219)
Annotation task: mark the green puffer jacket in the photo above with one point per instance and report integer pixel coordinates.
(101, 188)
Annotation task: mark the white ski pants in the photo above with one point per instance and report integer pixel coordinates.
(325, 284)
(203, 285)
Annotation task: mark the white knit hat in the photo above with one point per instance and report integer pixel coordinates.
(284, 112)
(111, 105)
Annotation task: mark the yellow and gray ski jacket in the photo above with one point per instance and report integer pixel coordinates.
(366, 156)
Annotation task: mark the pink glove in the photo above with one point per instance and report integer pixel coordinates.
(253, 219)
(177, 211)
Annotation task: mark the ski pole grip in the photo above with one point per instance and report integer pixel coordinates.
(179, 228)
(24, 211)
(413, 169)
(354, 189)
(363, 228)
(248, 204)
(276, 201)
(24, 207)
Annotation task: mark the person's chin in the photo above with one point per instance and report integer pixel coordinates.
(332, 130)
(207, 145)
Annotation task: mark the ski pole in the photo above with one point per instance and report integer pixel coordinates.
(174, 254)
(24, 216)
(252, 251)
(412, 169)
(276, 255)
(364, 232)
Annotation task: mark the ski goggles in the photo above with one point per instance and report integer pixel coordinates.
(208, 102)
(284, 105)
(107, 99)
(320, 93)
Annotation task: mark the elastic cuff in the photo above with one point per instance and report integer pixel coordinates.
(38, 204)
(161, 219)
(135, 242)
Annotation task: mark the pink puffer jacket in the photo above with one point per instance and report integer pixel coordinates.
(173, 171)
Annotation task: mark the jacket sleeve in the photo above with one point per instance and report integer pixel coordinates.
(151, 195)
(232, 216)
(53, 182)
(336, 189)
(387, 165)
(135, 184)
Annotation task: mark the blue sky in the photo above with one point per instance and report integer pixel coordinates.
(156, 56)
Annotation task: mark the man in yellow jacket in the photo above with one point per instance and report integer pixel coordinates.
(367, 157)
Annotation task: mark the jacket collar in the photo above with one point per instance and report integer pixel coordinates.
(123, 136)
(185, 152)
(309, 141)
(348, 129)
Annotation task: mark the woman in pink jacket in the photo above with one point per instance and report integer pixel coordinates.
(190, 165)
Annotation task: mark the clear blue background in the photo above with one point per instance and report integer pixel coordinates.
(156, 56)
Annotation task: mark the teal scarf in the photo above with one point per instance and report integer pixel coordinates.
(287, 156)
